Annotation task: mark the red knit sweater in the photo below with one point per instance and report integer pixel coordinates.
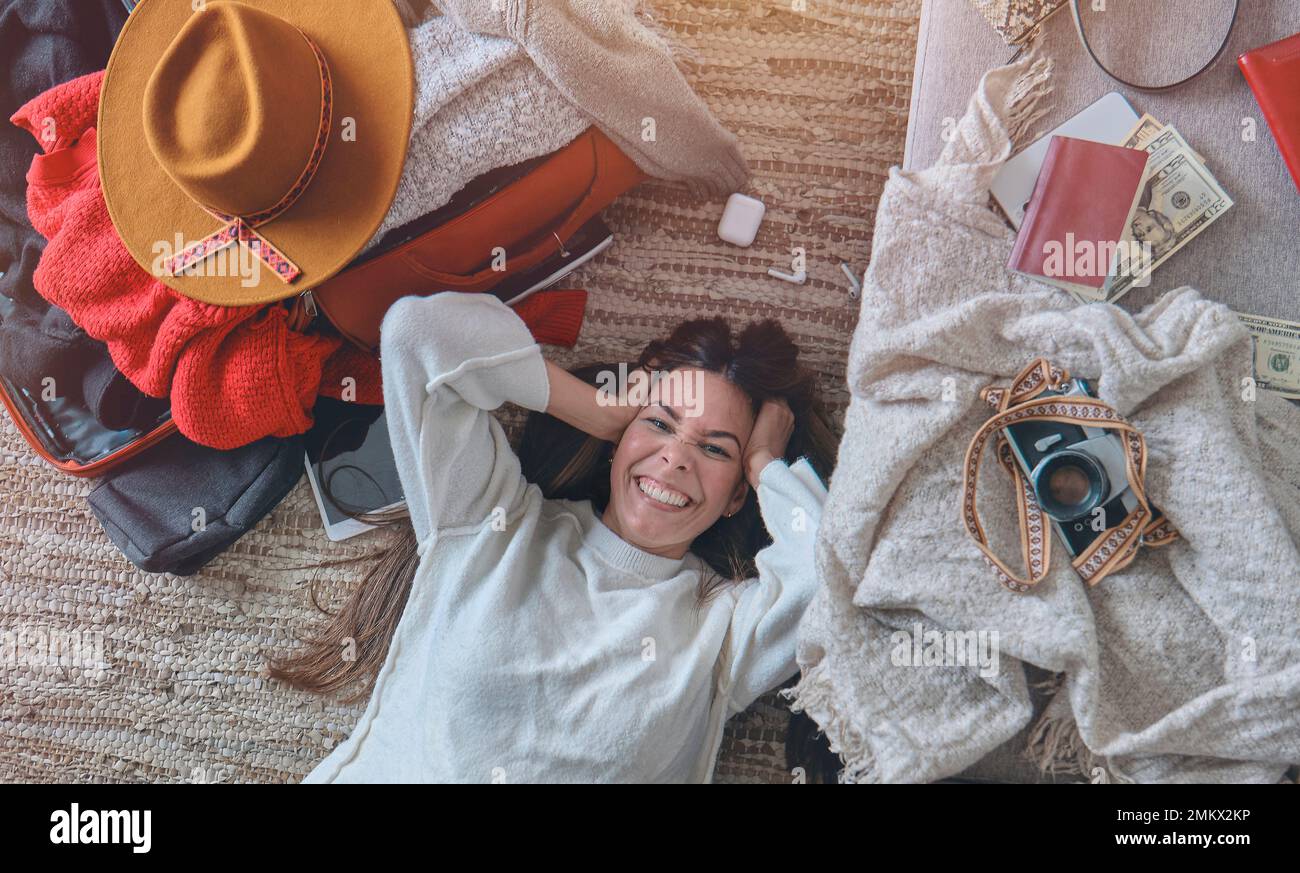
(234, 374)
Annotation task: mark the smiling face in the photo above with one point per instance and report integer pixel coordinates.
(675, 473)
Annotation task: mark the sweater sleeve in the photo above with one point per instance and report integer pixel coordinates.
(448, 359)
(765, 624)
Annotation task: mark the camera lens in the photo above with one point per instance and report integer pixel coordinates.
(1069, 484)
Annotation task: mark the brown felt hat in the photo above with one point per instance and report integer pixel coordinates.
(266, 132)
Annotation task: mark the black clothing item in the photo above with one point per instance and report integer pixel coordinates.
(179, 505)
(39, 341)
(115, 402)
(44, 43)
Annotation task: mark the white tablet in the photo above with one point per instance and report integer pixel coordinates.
(1106, 121)
(350, 466)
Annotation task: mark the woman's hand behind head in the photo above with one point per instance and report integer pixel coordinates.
(586, 407)
(769, 438)
(618, 417)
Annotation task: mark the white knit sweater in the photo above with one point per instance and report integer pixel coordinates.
(480, 103)
(537, 645)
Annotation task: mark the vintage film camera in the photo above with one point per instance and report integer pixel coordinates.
(1078, 473)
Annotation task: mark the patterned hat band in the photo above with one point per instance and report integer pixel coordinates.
(239, 229)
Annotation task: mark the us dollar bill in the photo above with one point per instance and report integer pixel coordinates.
(1179, 198)
(1275, 360)
(1147, 129)
(1142, 133)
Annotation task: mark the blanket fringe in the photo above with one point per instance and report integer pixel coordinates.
(1009, 101)
(1024, 102)
(813, 695)
(1056, 747)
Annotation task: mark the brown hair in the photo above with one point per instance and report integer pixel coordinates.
(762, 360)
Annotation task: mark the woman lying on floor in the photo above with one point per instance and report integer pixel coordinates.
(601, 623)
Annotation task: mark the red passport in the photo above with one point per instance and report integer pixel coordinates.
(1078, 214)
(1273, 73)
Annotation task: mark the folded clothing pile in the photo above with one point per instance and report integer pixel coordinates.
(146, 506)
(174, 346)
(1185, 666)
(236, 374)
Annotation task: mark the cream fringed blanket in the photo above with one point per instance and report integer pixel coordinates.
(1186, 665)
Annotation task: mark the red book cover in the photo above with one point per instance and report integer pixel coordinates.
(1078, 212)
(1273, 73)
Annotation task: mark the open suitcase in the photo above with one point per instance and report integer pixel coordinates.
(65, 432)
(549, 240)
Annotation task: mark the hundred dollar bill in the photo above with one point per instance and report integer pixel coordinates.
(1276, 354)
(1179, 198)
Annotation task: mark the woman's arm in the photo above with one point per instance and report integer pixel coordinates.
(448, 359)
(575, 402)
(768, 439)
(765, 624)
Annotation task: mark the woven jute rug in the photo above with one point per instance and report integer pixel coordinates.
(819, 98)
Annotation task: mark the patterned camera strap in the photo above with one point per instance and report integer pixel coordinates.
(1022, 402)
